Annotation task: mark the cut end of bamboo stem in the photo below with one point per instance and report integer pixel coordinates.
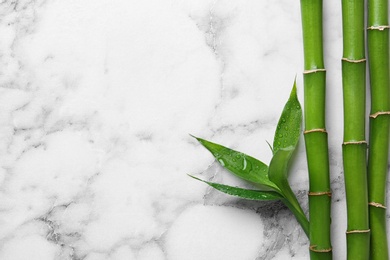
(357, 231)
(375, 115)
(322, 130)
(353, 61)
(379, 27)
(313, 71)
(377, 205)
(313, 249)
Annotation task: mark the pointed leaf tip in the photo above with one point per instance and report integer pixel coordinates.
(200, 140)
(289, 126)
(193, 136)
(293, 93)
(243, 193)
(241, 165)
(192, 176)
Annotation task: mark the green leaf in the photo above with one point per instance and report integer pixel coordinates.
(289, 126)
(243, 193)
(278, 173)
(278, 168)
(299, 215)
(241, 165)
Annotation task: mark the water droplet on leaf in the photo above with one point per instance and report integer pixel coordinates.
(221, 162)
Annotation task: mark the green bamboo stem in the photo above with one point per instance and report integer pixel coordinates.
(378, 54)
(316, 139)
(354, 146)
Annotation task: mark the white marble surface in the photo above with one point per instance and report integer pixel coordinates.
(97, 99)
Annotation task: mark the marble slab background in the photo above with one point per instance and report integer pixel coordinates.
(97, 100)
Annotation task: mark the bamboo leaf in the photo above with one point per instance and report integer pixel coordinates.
(289, 126)
(278, 173)
(278, 170)
(299, 215)
(241, 165)
(243, 193)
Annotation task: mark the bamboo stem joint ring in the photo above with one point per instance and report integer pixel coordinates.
(322, 130)
(313, 71)
(375, 115)
(357, 231)
(321, 193)
(353, 61)
(313, 249)
(355, 142)
(379, 27)
(377, 205)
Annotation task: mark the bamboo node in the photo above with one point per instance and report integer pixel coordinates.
(355, 142)
(357, 231)
(375, 115)
(376, 204)
(320, 193)
(313, 71)
(353, 61)
(325, 250)
(379, 27)
(322, 130)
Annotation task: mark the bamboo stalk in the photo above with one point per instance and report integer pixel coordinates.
(355, 146)
(316, 139)
(378, 53)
